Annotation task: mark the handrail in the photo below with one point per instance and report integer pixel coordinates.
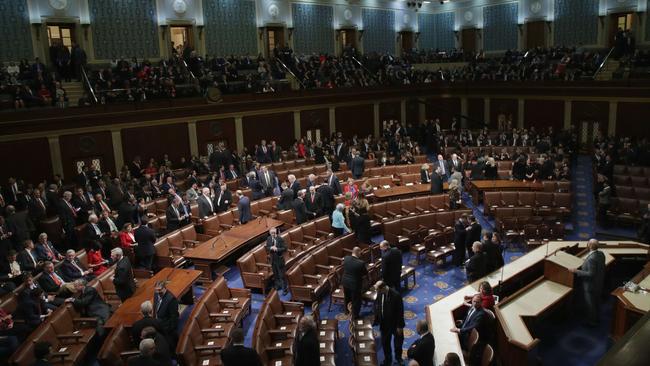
(87, 80)
(290, 72)
(365, 69)
(602, 64)
(189, 70)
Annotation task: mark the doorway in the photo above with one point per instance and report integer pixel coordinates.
(407, 41)
(589, 131)
(348, 41)
(274, 39)
(61, 34)
(469, 40)
(180, 37)
(622, 21)
(535, 34)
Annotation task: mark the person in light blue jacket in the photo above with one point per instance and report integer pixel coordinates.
(338, 221)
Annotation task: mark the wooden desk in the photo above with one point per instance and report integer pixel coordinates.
(179, 281)
(385, 194)
(632, 348)
(630, 307)
(441, 314)
(210, 253)
(478, 187)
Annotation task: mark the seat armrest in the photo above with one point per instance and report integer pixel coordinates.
(213, 330)
(191, 243)
(221, 316)
(213, 348)
(70, 336)
(240, 292)
(127, 354)
(232, 303)
(309, 237)
(176, 250)
(293, 305)
(225, 226)
(391, 213)
(213, 232)
(92, 321)
(261, 264)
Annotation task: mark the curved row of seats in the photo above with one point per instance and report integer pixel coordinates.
(405, 231)
(543, 203)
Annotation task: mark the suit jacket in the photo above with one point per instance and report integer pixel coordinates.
(442, 164)
(90, 233)
(235, 355)
(231, 176)
(42, 252)
(391, 266)
(476, 320)
(244, 207)
(277, 256)
(327, 197)
(306, 349)
(353, 271)
(261, 156)
(459, 234)
(295, 187)
(89, 303)
(205, 209)
(173, 219)
(123, 280)
(473, 234)
(166, 310)
(476, 267)
(127, 213)
(300, 211)
(37, 213)
(357, 166)
(26, 264)
(222, 205)
(334, 183)
(391, 316)
(315, 206)
(592, 272)
(66, 216)
(286, 199)
(256, 189)
(69, 272)
(47, 283)
(267, 185)
(139, 325)
(146, 238)
(141, 360)
(361, 227)
(422, 350)
(21, 227)
(436, 183)
(425, 176)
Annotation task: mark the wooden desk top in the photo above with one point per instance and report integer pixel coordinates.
(440, 314)
(405, 190)
(640, 301)
(531, 302)
(178, 282)
(498, 184)
(223, 245)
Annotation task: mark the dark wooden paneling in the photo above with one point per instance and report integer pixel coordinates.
(412, 112)
(315, 119)
(536, 34)
(632, 119)
(508, 107)
(475, 112)
(590, 112)
(390, 110)
(278, 127)
(87, 145)
(211, 131)
(544, 113)
(443, 108)
(28, 160)
(356, 119)
(155, 141)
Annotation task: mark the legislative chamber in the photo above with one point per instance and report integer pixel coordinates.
(324, 182)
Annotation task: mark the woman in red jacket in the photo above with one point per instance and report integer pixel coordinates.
(487, 296)
(95, 259)
(127, 240)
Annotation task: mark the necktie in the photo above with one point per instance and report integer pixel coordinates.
(469, 315)
(49, 250)
(56, 279)
(266, 176)
(74, 214)
(234, 175)
(111, 224)
(97, 231)
(77, 266)
(176, 212)
(32, 257)
(210, 202)
(219, 199)
(40, 201)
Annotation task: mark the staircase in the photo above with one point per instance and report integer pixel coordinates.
(606, 72)
(75, 90)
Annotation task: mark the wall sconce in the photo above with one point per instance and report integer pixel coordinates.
(37, 29)
(360, 34)
(200, 29)
(290, 29)
(164, 27)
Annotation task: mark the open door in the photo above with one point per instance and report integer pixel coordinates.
(274, 40)
(535, 34)
(619, 22)
(468, 39)
(60, 34)
(407, 41)
(182, 38)
(348, 41)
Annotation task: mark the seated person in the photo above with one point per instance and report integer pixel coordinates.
(32, 308)
(451, 359)
(487, 296)
(28, 258)
(96, 261)
(45, 251)
(71, 268)
(475, 319)
(10, 268)
(88, 302)
(476, 266)
(50, 299)
(53, 283)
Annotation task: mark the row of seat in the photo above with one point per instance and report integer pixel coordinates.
(220, 310)
(635, 171)
(636, 192)
(275, 330)
(631, 180)
(492, 150)
(543, 203)
(405, 231)
(627, 211)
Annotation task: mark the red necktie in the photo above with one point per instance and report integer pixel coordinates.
(56, 279)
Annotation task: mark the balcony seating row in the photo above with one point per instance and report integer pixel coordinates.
(629, 170)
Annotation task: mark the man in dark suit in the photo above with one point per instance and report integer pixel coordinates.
(146, 357)
(444, 167)
(473, 234)
(28, 259)
(82, 202)
(300, 209)
(436, 182)
(37, 208)
(146, 308)
(389, 315)
(231, 173)
(51, 282)
(314, 201)
(68, 217)
(262, 154)
(421, 351)
(165, 307)
(256, 187)
(90, 304)
(45, 251)
(476, 266)
(357, 166)
(244, 207)
(333, 182)
(327, 198)
(206, 206)
(267, 180)
(294, 185)
(286, 198)
(20, 227)
(146, 238)
(475, 319)
(123, 278)
(354, 268)
(223, 199)
(237, 354)
(174, 215)
(71, 268)
(306, 351)
(276, 247)
(460, 234)
(391, 265)
(592, 273)
(455, 163)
